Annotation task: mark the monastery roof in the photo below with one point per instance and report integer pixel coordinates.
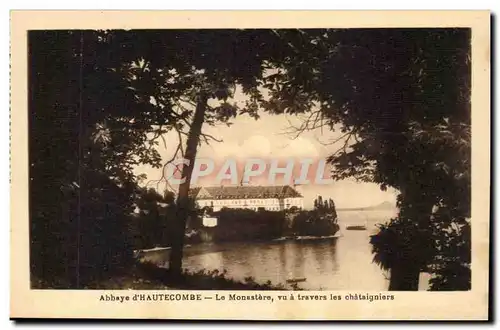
(245, 192)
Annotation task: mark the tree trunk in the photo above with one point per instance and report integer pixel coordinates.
(179, 225)
(405, 274)
(404, 277)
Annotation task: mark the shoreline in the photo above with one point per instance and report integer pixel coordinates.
(279, 239)
(306, 238)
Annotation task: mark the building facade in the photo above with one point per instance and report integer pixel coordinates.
(271, 198)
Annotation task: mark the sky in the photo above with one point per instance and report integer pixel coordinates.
(268, 138)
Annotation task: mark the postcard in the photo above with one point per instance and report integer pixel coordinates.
(250, 165)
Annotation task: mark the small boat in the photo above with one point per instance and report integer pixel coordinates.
(157, 248)
(296, 280)
(284, 238)
(356, 227)
(315, 238)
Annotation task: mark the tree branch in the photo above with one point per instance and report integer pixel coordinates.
(206, 137)
(344, 146)
(329, 143)
(313, 121)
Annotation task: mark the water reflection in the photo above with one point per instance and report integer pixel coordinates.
(338, 264)
(344, 263)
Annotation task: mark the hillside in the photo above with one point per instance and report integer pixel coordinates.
(379, 207)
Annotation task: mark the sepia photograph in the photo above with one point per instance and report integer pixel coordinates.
(250, 160)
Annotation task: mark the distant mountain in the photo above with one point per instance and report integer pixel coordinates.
(379, 207)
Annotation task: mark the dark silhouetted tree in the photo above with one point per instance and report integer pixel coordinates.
(401, 98)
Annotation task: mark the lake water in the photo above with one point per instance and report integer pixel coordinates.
(344, 263)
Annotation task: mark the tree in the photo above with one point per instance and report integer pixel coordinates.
(397, 95)
(195, 68)
(152, 220)
(155, 81)
(332, 208)
(320, 203)
(88, 130)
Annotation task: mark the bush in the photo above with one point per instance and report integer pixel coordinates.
(248, 225)
(203, 280)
